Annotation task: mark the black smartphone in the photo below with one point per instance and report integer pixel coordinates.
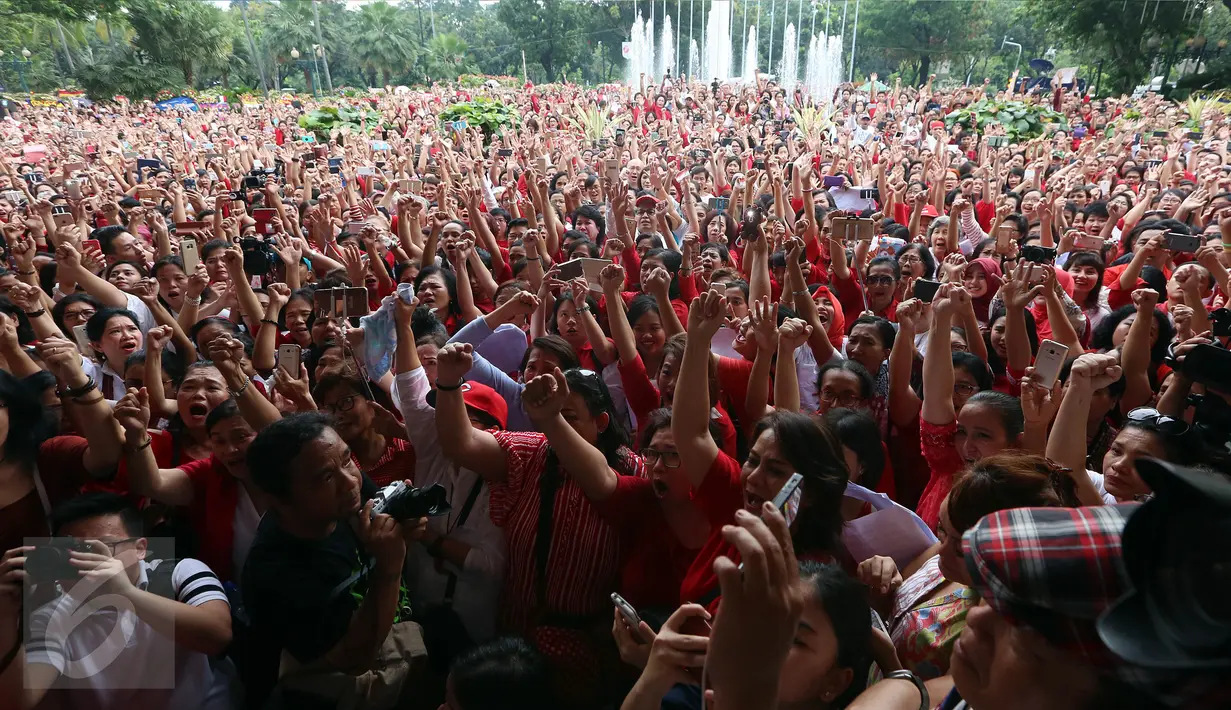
(925, 289)
(504, 152)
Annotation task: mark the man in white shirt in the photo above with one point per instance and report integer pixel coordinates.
(128, 632)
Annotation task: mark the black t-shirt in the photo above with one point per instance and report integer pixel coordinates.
(300, 594)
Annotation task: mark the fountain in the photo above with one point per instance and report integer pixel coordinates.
(694, 60)
(641, 58)
(666, 50)
(789, 68)
(717, 60)
(750, 56)
(824, 70)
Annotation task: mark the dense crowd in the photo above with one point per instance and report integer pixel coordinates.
(712, 409)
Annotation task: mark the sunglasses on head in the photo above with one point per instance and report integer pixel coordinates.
(1151, 417)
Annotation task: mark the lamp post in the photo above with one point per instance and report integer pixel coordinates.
(1009, 41)
(303, 65)
(21, 65)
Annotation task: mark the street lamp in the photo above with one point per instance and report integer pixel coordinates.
(21, 65)
(303, 65)
(1009, 40)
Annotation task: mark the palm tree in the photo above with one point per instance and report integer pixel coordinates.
(287, 26)
(383, 41)
(448, 57)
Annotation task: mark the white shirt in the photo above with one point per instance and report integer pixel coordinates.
(114, 659)
(476, 598)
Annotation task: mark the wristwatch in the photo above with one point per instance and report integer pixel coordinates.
(925, 702)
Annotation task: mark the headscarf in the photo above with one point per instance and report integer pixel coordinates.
(995, 279)
(836, 328)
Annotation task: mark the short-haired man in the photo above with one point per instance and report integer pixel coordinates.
(174, 616)
(323, 580)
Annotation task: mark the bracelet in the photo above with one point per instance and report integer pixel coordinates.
(802, 292)
(36, 314)
(31, 272)
(450, 388)
(274, 323)
(95, 400)
(925, 701)
(144, 445)
(237, 394)
(76, 392)
(192, 301)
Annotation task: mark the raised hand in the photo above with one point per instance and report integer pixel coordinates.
(764, 316)
(1098, 370)
(706, 315)
(453, 362)
(133, 412)
(545, 395)
(612, 279)
(157, 338)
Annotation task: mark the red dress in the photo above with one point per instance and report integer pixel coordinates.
(937, 443)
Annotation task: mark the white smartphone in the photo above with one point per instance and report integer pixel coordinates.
(1086, 242)
(789, 497)
(1048, 362)
(629, 613)
(83, 340)
(1037, 274)
(355, 227)
(189, 253)
(290, 356)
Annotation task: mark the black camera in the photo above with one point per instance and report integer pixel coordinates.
(1038, 254)
(1220, 322)
(401, 501)
(49, 562)
(1174, 549)
(259, 257)
(254, 182)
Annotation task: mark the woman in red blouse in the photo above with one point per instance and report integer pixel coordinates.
(783, 443)
(558, 584)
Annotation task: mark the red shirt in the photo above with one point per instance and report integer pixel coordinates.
(62, 473)
(655, 561)
(850, 295)
(396, 464)
(215, 495)
(719, 496)
(937, 444)
(583, 564)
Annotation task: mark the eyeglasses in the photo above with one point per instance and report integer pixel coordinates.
(965, 390)
(345, 404)
(670, 459)
(842, 400)
(82, 315)
(112, 544)
(1151, 417)
(879, 280)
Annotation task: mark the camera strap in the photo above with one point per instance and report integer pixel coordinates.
(451, 587)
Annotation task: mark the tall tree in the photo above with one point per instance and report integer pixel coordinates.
(384, 41)
(1121, 34)
(920, 31)
(182, 33)
(448, 57)
(545, 29)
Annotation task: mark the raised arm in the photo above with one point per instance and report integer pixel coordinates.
(89, 411)
(543, 399)
(1066, 445)
(171, 486)
(904, 404)
(1135, 353)
(459, 441)
(1018, 294)
(938, 361)
(690, 420)
(612, 277)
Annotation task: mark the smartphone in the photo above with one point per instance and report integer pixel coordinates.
(788, 498)
(61, 216)
(505, 152)
(83, 340)
(71, 168)
(189, 253)
(629, 613)
(1185, 243)
(925, 289)
(335, 165)
(1048, 362)
(758, 165)
(149, 193)
(1037, 274)
(355, 226)
(832, 181)
(1159, 134)
(322, 300)
(289, 358)
(355, 301)
(91, 243)
(1195, 135)
(570, 270)
(263, 216)
(1004, 239)
(416, 186)
(189, 183)
(1104, 187)
(73, 188)
(366, 170)
(613, 170)
(852, 229)
(543, 164)
(1086, 242)
(1029, 175)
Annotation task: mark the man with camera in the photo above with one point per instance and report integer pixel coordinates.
(322, 584)
(122, 631)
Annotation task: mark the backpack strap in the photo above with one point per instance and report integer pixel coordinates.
(451, 586)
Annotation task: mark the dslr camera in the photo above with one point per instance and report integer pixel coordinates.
(259, 257)
(49, 562)
(402, 501)
(1038, 254)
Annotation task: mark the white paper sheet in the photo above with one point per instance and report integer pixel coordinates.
(889, 531)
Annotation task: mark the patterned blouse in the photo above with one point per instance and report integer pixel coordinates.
(924, 629)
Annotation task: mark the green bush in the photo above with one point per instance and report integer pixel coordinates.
(326, 119)
(1021, 121)
(488, 114)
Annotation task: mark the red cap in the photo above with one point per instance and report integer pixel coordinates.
(486, 400)
(929, 211)
(483, 398)
(936, 124)
(647, 202)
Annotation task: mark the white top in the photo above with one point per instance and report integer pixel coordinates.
(476, 598)
(1097, 480)
(114, 659)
